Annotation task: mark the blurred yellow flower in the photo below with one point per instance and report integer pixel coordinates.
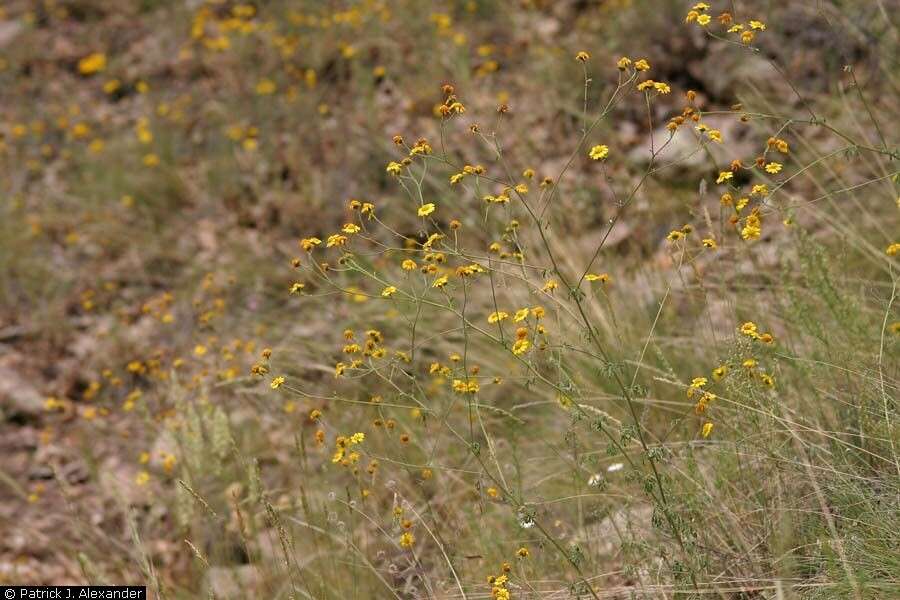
(265, 87)
(92, 63)
(496, 317)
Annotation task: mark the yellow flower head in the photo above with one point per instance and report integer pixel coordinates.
(599, 152)
(265, 87)
(92, 63)
(602, 277)
(309, 243)
(426, 209)
(335, 240)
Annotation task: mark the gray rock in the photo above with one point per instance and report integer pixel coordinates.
(233, 582)
(9, 31)
(18, 397)
(684, 151)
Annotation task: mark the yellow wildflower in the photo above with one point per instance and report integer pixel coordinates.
(309, 243)
(496, 317)
(521, 347)
(265, 87)
(92, 63)
(599, 152)
(335, 240)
